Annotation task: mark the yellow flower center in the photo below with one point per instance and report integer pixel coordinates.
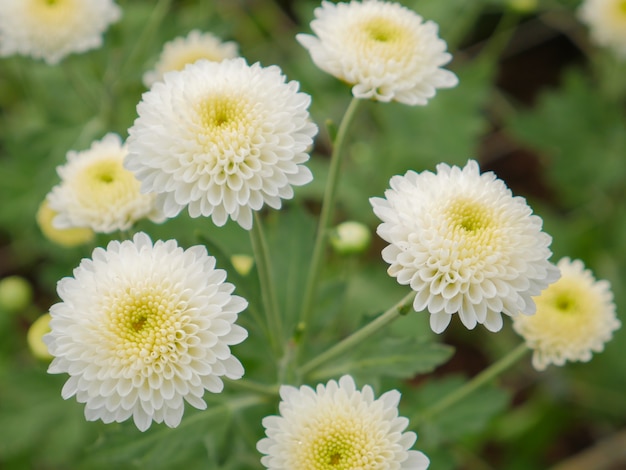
(566, 297)
(338, 443)
(229, 139)
(106, 181)
(469, 219)
(381, 30)
(382, 39)
(147, 325)
(222, 113)
(51, 11)
(566, 312)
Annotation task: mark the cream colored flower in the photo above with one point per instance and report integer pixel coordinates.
(464, 244)
(607, 23)
(97, 192)
(143, 327)
(338, 427)
(186, 50)
(61, 236)
(52, 29)
(575, 316)
(34, 337)
(222, 139)
(383, 49)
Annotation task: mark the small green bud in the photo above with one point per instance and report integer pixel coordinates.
(16, 294)
(350, 237)
(523, 6)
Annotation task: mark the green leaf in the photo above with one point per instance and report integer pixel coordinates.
(581, 134)
(160, 447)
(465, 417)
(392, 357)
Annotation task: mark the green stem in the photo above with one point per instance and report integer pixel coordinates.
(328, 205)
(252, 386)
(469, 387)
(152, 25)
(360, 335)
(268, 293)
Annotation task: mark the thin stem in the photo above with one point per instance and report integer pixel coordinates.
(328, 205)
(152, 25)
(360, 335)
(478, 381)
(268, 293)
(245, 384)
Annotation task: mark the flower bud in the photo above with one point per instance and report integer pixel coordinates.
(16, 294)
(350, 237)
(37, 330)
(242, 263)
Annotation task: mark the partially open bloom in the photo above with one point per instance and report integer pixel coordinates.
(607, 23)
(52, 29)
(61, 236)
(222, 139)
(338, 426)
(186, 50)
(97, 192)
(464, 244)
(34, 337)
(142, 327)
(575, 316)
(383, 49)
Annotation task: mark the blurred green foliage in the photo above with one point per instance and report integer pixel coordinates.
(573, 132)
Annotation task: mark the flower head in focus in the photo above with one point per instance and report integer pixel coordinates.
(142, 327)
(97, 192)
(338, 426)
(222, 139)
(383, 49)
(575, 316)
(464, 244)
(186, 50)
(52, 29)
(607, 23)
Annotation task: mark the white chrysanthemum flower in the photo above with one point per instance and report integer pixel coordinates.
(222, 138)
(52, 29)
(142, 328)
(97, 192)
(575, 316)
(383, 49)
(464, 244)
(337, 426)
(607, 23)
(186, 50)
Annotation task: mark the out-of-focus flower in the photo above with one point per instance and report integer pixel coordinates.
(16, 294)
(222, 139)
(350, 237)
(61, 236)
(338, 426)
(383, 49)
(186, 50)
(464, 244)
(34, 337)
(607, 23)
(575, 316)
(97, 192)
(143, 327)
(242, 263)
(52, 29)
